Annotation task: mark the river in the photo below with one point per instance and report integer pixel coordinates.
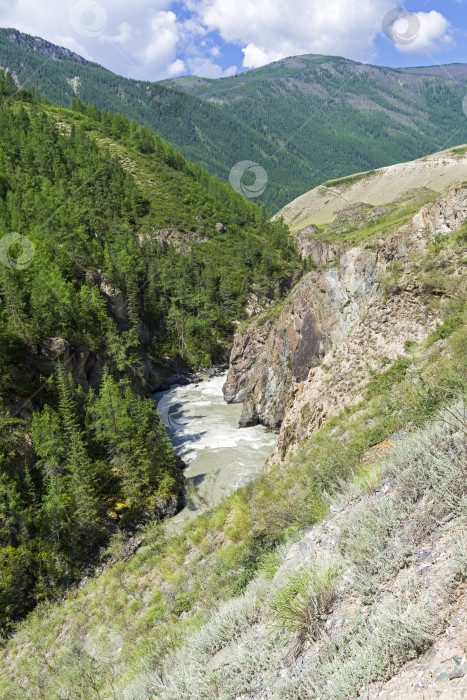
(204, 430)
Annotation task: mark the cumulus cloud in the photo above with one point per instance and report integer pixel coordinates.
(267, 31)
(125, 34)
(155, 39)
(206, 68)
(432, 33)
(254, 56)
(139, 40)
(163, 40)
(176, 68)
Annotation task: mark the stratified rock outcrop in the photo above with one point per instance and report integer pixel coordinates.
(335, 328)
(245, 349)
(320, 252)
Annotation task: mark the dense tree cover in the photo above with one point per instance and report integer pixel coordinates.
(304, 120)
(90, 192)
(342, 117)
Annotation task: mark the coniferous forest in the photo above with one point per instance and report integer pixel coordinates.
(305, 120)
(104, 210)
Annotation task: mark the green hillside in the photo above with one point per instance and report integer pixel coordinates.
(305, 120)
(341, 117)
(117, 255)
(200, 131)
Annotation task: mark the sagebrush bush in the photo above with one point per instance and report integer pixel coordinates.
(300, 607)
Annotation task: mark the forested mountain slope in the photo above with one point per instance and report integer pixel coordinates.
(304, 120)
(199, 130)
(339, 116)
(116, 255)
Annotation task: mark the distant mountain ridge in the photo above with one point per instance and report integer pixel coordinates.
(304, 119)
(45, 47)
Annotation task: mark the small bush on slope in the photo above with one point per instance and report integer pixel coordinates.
(300, 607)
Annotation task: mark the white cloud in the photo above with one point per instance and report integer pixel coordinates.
(254, 56)
(433, 34)
(176, 68)
(156, 39)
(206, 68)
(164, 32)
(125, 34)
(267, 30)
(138, 40)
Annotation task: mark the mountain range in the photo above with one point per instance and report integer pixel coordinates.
(305, 120)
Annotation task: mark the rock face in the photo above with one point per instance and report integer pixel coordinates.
(385, 325)
(245, 349)
(266, 362)
(117, 304)
(86, 365)
(320, 252)
(182, 239)
(336, 327)
(357, 212)
(444, 216)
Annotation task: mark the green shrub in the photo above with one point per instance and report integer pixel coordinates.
(384, 382)
(300, 607)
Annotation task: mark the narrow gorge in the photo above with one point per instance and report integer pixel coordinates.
(356, 313)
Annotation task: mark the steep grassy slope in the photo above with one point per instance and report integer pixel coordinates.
(437, 172)
(355, 597)
(305, 119)
(116, 635)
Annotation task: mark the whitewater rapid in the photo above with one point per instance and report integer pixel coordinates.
(220, 456)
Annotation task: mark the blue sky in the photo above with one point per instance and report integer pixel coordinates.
(158, 39)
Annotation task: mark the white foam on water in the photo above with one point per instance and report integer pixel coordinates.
(221, 457)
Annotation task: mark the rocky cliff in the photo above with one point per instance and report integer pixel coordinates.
(340, 323)
(86, 364)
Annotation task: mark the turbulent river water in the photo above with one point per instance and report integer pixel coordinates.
(204, 430)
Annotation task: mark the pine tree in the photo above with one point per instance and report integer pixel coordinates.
(82, 483)
(14, 305)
